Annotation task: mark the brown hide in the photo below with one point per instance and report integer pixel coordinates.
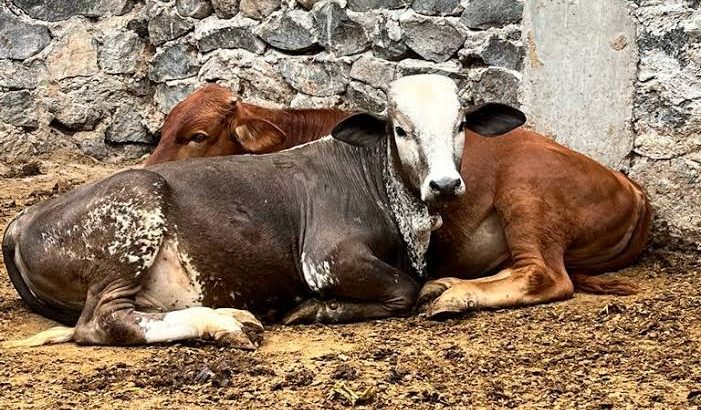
(211, 122)
(540, 216)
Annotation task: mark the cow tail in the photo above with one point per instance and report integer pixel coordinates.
(60, 315)
(592, 284)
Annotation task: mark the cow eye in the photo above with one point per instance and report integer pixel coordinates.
(463, 125)
(399, 131)
(199, 138)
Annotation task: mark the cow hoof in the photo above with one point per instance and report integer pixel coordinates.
(442, 314)
(452, 303)
(236, 340)
(303, 314)
(251, 326)
(430, 292)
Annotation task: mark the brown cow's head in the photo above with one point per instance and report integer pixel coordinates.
(211, 122)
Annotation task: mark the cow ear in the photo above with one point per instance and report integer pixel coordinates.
(259, 136)
(492, 119)
(361, 129)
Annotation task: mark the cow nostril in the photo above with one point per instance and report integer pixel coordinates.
(445, 186)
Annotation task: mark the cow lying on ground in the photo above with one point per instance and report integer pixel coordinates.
(212, 122)
(543, 217)
(172, 251)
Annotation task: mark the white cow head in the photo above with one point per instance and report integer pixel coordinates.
(427, 124)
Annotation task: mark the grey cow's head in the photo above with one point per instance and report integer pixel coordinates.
(428, 126)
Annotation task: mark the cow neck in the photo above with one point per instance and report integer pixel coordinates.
(411, 215)
(302, 125)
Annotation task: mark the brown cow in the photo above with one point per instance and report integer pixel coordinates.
(542, 216)
(211, 122)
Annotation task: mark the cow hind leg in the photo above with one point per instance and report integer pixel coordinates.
(54, 335)
(231, 327)
(111, 319)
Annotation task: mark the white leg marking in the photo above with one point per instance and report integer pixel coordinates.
(317, 273)
(199, 323)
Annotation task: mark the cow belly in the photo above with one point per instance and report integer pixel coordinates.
(172, 282)
(482, 249)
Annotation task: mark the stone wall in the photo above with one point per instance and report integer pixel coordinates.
(99, 76)
(580, 74)
(620, 80)
(666, 157)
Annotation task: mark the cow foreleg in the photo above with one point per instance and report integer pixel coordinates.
(526, 285)
(364, 288)
(538, 272)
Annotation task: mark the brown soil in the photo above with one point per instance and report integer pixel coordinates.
(631, 352)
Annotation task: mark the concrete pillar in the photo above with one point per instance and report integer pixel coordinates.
(579, 74)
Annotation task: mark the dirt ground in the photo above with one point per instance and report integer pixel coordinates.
(631, 352)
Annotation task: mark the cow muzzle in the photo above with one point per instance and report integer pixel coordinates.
(442, 188)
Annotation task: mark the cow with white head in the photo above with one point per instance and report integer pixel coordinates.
(172, 251)
(428, 124)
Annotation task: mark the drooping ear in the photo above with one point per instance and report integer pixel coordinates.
(492, 119)
(258, 136)
(361, 129)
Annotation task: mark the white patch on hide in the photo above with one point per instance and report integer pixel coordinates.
(317, 274)
(172, 282)
(134, 227)
(191, 323)
(412, 216)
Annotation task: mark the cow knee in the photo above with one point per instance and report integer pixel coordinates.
(116, 328)
(403, 299)
(545, 283)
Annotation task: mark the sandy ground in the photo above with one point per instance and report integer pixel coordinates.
(598, 352)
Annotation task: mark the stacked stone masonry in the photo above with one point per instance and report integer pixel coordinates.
(666, 156)
(99, 76)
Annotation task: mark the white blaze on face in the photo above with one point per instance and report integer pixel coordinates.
(427, 109)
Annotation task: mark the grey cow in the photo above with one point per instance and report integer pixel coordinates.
(189, 249)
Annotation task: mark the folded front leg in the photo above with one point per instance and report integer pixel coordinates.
(358, 287)
(509, 288)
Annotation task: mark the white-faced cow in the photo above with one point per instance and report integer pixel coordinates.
(171, 252)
